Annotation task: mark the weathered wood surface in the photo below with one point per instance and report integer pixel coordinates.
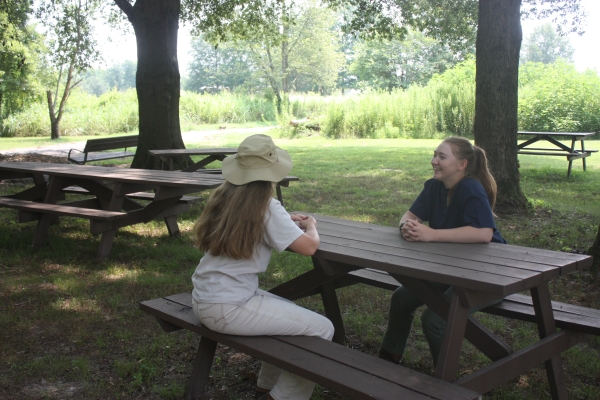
(347, 371)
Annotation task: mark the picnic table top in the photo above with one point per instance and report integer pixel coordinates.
(572, 134)
(125, 175)
(493, 268)
(194, 152)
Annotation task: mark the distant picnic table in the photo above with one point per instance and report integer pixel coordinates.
(112, 196)
(559, 148)
(211, 154)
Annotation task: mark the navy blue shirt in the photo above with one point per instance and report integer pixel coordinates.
(469, 206)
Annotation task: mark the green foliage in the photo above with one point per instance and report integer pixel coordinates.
(218, 67)
(19, 66)
(226, 107)
(117, 77)
(113, 112)
(388, 64)
(546, 46)
(557, 98)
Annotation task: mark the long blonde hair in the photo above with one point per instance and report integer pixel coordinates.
(233, 221)
(477, 165)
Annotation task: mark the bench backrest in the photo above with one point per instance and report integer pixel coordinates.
(111, 143)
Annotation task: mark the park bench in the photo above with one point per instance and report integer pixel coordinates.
(567, 316)
(347, 371)
(95, 149)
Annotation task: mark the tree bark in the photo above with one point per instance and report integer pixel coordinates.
(498, 45)
(54, 121)
(594, 251)
(156, 24)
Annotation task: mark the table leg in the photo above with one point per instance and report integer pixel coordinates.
(546, 327)
(583, 151)
(447, 364)
(108, 237)
(202, 163)
(52, 196)
(201, 368)
(572, 150)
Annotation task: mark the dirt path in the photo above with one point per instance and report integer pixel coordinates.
(61, 150)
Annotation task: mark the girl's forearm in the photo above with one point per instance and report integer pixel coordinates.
(464, 234)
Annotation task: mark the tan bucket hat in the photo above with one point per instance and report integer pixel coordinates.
(257, 159)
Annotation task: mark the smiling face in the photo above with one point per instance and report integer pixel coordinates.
(446, 167)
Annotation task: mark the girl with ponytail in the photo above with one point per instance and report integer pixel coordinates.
(458, 204)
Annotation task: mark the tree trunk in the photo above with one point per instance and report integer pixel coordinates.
(498, 45)
(54, 121)
(156, 23)
(594, 251)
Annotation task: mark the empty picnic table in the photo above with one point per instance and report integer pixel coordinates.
(480, 274)
(111, 207)
(559, 148)
(212, 154)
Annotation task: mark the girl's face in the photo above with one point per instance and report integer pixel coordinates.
(446, 167)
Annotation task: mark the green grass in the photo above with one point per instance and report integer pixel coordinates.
(67, 319)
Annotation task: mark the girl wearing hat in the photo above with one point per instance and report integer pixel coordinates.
(237, 230)
(457, 202)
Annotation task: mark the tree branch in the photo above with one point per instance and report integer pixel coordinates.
(126, 7)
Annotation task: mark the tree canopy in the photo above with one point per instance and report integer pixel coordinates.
(546, 46)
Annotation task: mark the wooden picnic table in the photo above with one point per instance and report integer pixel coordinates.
(480, 273)
(114, 191)
(213, 154)
(559, 148)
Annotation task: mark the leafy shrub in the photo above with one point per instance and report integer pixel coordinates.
(557, 98)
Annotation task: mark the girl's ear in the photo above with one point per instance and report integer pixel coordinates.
(463, 165)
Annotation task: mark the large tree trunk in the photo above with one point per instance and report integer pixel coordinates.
(156, 23)
(498, 44)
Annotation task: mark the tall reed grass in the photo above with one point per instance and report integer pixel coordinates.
(552, 97)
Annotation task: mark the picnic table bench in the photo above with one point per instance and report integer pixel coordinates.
(95, 149)
(560, 149)
(347, 371)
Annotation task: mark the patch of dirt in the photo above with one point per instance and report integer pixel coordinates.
(32, 157)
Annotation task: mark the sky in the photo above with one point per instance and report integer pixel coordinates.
(121, 46)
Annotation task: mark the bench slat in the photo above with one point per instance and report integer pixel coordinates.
(517, 306)
(111, 143)
(135, 196)
(326, 363)
(57, 209)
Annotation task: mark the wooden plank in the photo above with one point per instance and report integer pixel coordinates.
(136, 195)
(332, 368)
(567, 316)
(567, 262)
(110, 143)
(149, 177)
(57, 209)
(430, 253)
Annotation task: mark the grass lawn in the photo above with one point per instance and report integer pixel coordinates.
(70, 324)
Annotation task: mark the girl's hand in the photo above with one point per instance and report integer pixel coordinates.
(308, 222)
(298, 217)
(414, 231)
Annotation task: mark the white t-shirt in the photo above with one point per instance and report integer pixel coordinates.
(225, 280)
